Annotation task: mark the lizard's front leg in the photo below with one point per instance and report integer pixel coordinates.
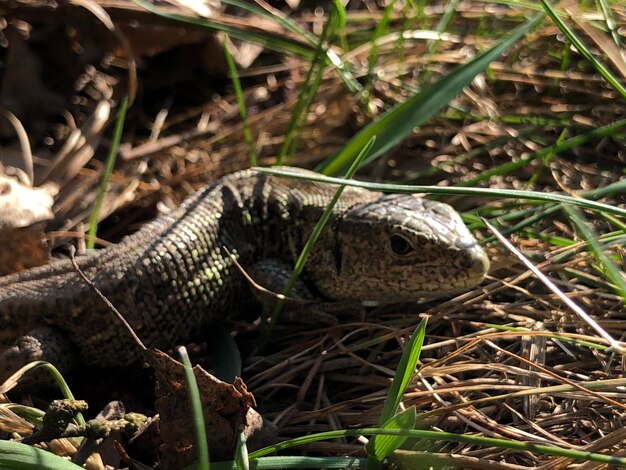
(301, 305)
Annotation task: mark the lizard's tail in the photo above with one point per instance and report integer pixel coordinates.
(43, 295)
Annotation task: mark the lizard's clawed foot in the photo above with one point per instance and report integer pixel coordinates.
(40, 344)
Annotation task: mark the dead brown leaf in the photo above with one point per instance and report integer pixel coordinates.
(227, 411)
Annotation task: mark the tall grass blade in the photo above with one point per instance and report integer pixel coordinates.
(266, 39)
(397, 123)
(584, 51)
(404, 372)
(241, 453)
(611, 24)
(381, 28)
(387, 419)
(297, 462)
(610, 269)
(449, 190)
(241, 102)
(449, 437)
(196, 411)
(309, 86)
(106, 174)
(442, 25)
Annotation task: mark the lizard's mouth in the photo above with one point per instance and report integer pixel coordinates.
(462, 273)
(466, 272)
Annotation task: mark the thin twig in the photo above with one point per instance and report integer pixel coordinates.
(105, 300)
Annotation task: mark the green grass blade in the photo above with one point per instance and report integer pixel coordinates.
(196, 411)
(397, 123)
(266, 39)
(309, 86)
(381, 28)
(610, 270)
(562, 146)
(609, 21)
(17, 456)
(108, 169)
(542, 449)
(297, 462)
(606, 191)
(55, 375)
(387, 419)
(450, 190)
(404, 372)
(241, 453)
(584, 51)
(339, 15)
(379, 447)
(241, 102)
(442, 25)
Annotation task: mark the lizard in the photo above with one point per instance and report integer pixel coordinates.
(173, 276)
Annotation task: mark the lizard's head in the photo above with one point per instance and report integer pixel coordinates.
(398, 248)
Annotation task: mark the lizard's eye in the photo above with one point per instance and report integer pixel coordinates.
(400, 245)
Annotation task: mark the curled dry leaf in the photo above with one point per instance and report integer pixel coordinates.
(227, 410)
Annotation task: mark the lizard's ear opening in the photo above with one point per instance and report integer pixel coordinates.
(337, 257)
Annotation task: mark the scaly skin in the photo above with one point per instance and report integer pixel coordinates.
(173, 276)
